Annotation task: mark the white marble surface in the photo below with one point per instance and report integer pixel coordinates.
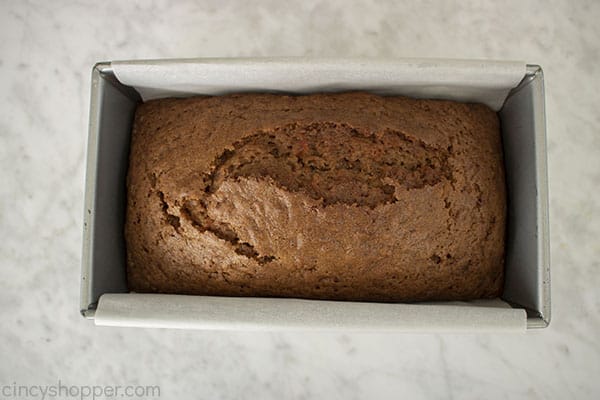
(46, 53)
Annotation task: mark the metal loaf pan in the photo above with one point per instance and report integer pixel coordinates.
(527, 282)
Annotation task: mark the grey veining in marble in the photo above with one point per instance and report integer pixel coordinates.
(46, 53)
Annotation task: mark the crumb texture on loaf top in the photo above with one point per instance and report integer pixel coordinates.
(336, 164)
(330, 162)
(333, 162)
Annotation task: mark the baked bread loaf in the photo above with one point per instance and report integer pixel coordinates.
(329, 196)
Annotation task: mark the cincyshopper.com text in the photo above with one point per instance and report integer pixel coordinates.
(61, 390)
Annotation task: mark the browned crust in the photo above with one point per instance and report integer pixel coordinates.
(328, 196)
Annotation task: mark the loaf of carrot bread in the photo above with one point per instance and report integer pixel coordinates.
(346, 196)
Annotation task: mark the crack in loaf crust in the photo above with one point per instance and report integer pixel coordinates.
(329, 196)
